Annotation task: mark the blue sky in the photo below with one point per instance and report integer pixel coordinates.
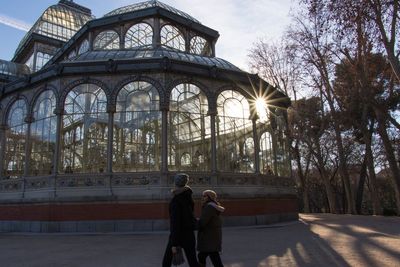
(240, 23)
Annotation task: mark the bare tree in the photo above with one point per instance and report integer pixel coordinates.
(311, 38)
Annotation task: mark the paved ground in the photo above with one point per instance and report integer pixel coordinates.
(315, 240)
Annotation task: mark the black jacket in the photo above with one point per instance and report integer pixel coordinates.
(182, 220)
(209, 236)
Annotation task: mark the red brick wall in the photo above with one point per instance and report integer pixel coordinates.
(135, 210)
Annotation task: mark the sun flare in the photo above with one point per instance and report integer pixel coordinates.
(261, 107)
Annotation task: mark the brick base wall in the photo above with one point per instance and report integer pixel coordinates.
(133, 216)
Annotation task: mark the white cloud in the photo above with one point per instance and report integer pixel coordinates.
(239, 22)
(15, 23)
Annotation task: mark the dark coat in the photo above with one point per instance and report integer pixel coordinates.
(209, 236)
(182, 220)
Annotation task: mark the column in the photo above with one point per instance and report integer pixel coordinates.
(110, 110)
(110, 139)
(256, 147)
(29, 119)
(3, 129)
(213, 115)
(156, 33)
(56, 160)
(164, 139)
(122, 37)
(274, 133)
(90, 39)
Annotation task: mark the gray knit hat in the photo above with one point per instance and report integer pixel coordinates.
(181, 179)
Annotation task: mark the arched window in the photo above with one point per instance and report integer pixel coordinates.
(140, 34)
(85, 108)
(41, 60)
(15, 140)
(190, 130)
(137, 124)
(172, 37)
(186, 160)
(199, 46)
(106, 40)
(43, 134)
(84, 47)
(266, 154)
(234, 128)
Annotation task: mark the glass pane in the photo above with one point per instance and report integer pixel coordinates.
(41, 60)
(43, 134)
(84, 47)
(14, 158)
(137, 129)
(199, 46)
(140, 34)
(172, 37)
(84, 131)
(266, 154)
(106, 40)
(189, 140)
(235, 145)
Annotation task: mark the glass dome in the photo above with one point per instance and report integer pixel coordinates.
(13, 69)
(149, 4)
(59, 21)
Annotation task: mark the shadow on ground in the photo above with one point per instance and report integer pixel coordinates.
(315, 240)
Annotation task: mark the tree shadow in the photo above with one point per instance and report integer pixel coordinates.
(368, 236)
(287, 245)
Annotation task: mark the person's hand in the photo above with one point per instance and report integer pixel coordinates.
(174, 250)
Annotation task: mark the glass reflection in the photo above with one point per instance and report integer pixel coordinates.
(106, 40)
(235, 144)
(189, 139)
(84, 131)
(43, 134)
(84, 47)
(199, 46)
(172, 38)
(266, 154)
(140, 34)
(137, 129)
(14, 157)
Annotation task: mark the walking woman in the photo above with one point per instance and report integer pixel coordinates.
(182, 222)
(209, 236)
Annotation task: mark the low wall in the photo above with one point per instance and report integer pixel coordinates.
(133, 216)
(136, 201)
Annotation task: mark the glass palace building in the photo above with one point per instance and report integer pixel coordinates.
(97, 115)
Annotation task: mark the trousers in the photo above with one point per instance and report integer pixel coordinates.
(188, 244)
(214, 257)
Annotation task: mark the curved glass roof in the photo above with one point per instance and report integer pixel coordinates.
(59, 21)
(149, 4)
(13, 69)
(153, 53)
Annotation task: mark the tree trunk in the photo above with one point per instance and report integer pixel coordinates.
(302, 178)
(390, 155)
(339, 141)
(325, 179)
(376, 205)
(343, 171)
(361, 183)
